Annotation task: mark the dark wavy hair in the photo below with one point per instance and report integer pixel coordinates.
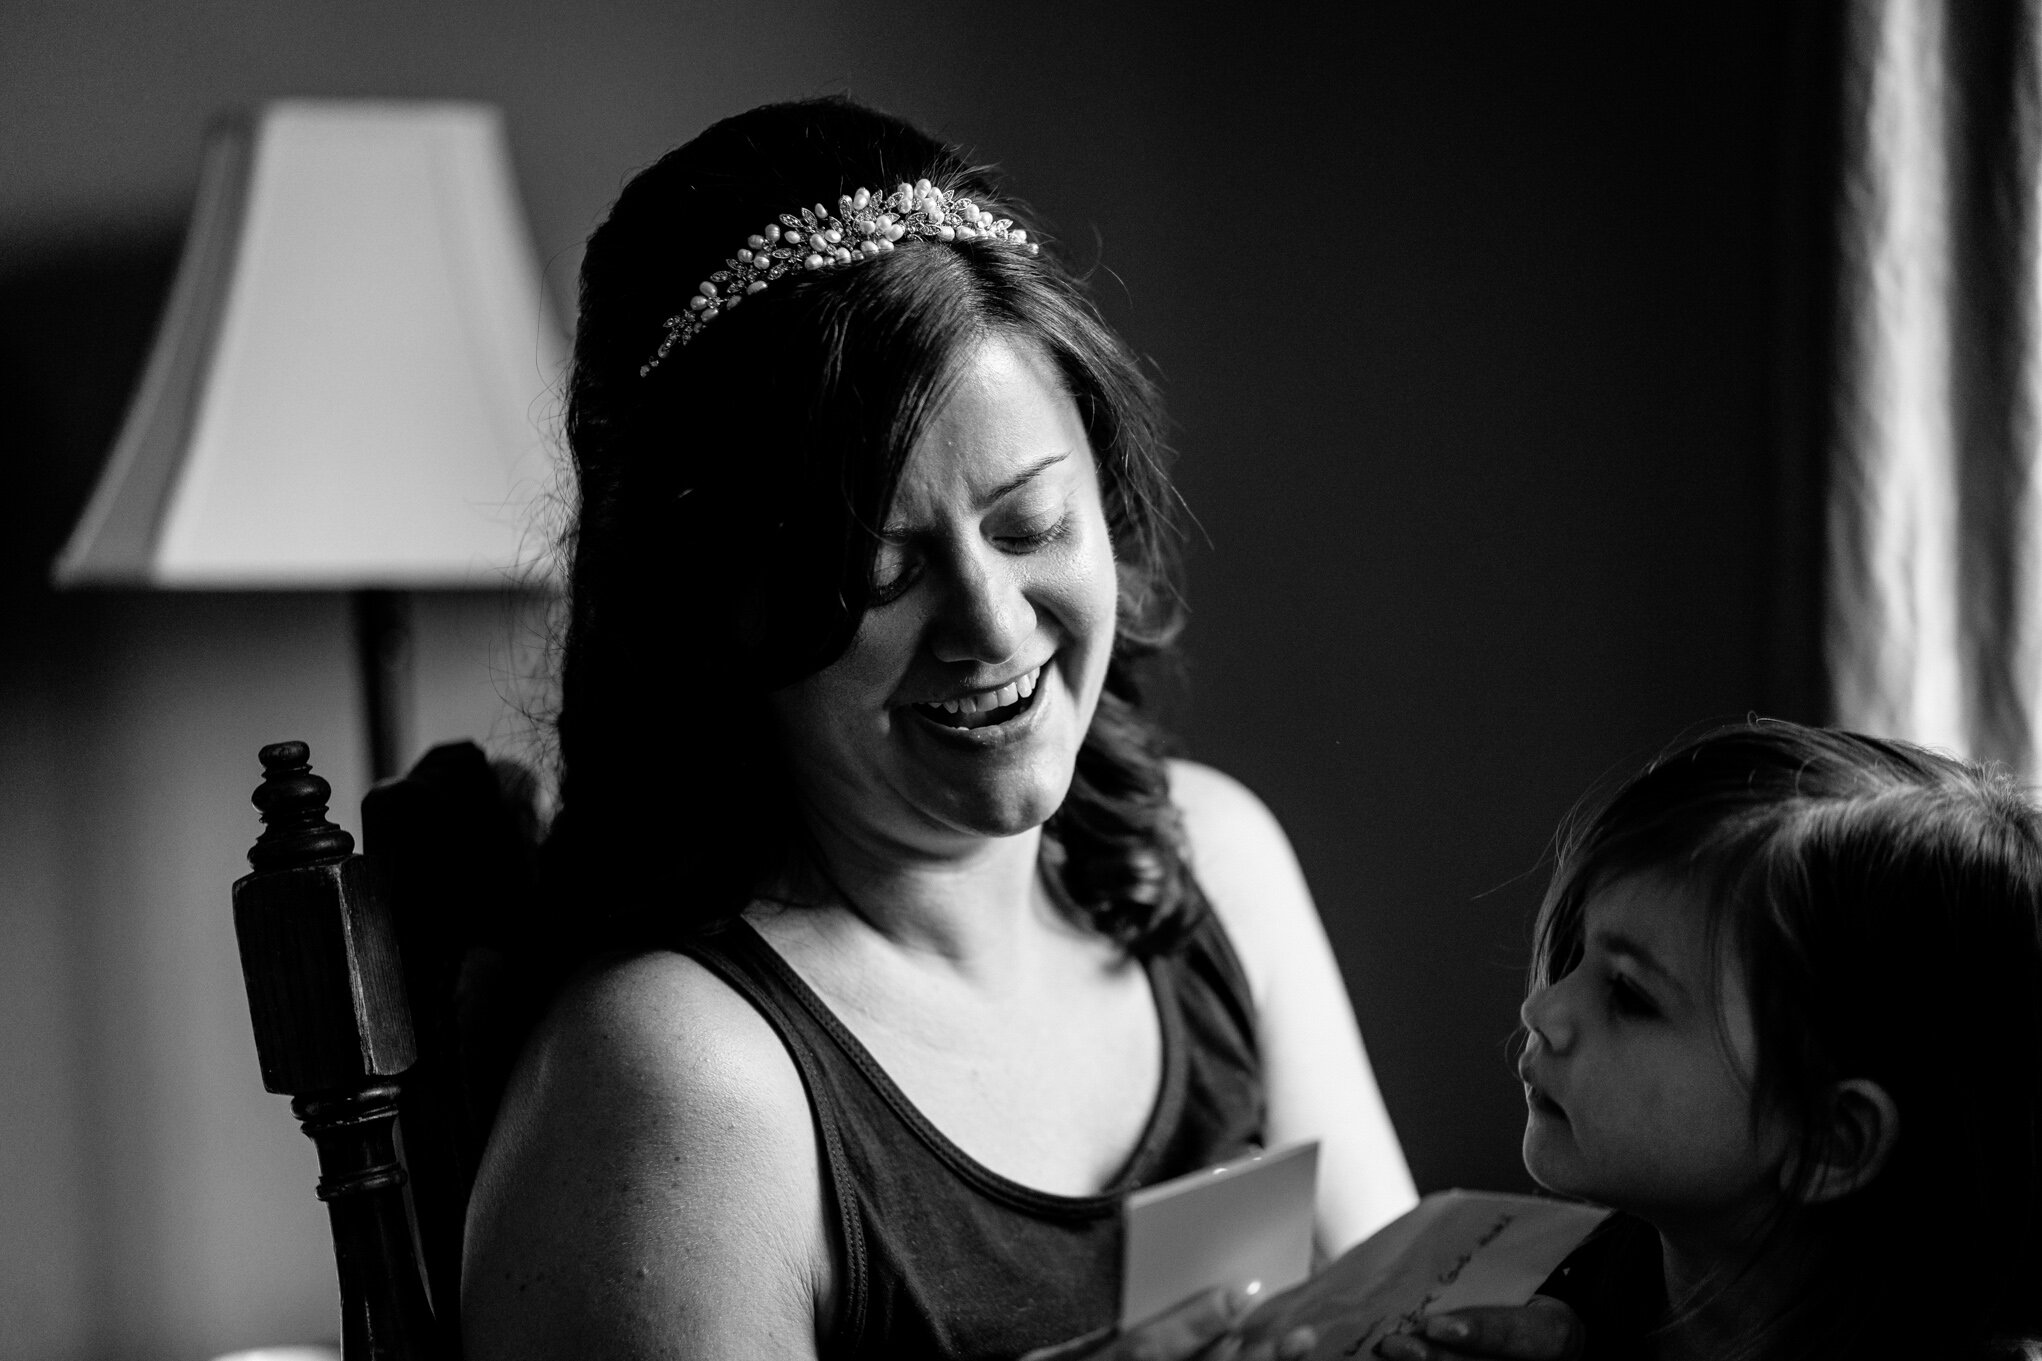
(1885, 902)
(723, 542)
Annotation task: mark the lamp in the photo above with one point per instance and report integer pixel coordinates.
(349, 384)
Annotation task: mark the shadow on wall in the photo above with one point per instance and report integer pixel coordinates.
(162, 1181)
(168, 1210)
(77, 313)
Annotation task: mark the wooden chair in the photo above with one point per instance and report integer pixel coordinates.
(387, 1002)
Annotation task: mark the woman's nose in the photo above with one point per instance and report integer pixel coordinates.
(1545, 1015)
(985, 615)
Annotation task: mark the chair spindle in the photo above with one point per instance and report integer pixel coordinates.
(333, 1030)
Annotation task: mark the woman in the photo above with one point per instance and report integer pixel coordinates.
(908, 952)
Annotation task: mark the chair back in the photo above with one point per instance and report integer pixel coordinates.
(454, 843)
(381, 991)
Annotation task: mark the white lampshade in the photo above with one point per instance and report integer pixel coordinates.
(356, 377)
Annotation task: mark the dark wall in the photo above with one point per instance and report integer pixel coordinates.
(1502, 477)
(1468, 316)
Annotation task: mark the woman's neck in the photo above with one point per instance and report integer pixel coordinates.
(969, 907)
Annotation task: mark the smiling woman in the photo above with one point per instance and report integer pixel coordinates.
(995, 576)
(886, 972)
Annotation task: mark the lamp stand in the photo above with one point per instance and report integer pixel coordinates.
(382, 625)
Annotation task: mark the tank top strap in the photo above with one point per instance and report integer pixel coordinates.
(737, 955)
(1224, 1107)
(1209, 955)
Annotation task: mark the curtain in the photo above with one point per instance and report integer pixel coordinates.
(1934, 611)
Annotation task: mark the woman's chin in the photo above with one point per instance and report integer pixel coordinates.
(999, 807)
(996, 783)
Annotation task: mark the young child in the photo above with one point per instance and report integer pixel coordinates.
(1786, 1016)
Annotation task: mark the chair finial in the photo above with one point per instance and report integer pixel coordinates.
(292, 801)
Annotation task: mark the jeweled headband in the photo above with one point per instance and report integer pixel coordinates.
(864, 225)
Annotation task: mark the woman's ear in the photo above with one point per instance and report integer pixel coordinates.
(1863, 1127)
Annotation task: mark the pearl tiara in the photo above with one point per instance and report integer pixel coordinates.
(865, 224)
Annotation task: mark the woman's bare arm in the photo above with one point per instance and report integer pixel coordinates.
(652, 1187)
(1317, 1071)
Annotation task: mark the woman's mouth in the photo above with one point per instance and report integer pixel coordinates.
(984, 708)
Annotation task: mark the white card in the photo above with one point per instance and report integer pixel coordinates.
(1456, 1249)
(1243, 1221)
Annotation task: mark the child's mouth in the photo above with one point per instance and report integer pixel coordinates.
(1543, 1104)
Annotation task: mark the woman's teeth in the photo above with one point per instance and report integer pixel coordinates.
(982, 708)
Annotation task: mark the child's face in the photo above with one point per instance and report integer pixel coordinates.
(1638, 1070)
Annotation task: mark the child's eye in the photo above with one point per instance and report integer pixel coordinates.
(1627, 998)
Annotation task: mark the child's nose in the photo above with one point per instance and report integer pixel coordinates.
(1544, 1016)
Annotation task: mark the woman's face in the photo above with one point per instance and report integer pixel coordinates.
(959, 707)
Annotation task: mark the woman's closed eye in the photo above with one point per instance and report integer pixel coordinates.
(1029, 539)
(893, 571)
(899, 563)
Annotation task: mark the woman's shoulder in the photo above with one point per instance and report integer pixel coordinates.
(1245, 865)
(1198, 788)
(1224, 820)
(658, 1032)
(656, 1130)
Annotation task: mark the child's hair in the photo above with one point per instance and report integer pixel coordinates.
(1886, 905)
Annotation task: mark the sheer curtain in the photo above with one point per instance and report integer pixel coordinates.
(1934, 620)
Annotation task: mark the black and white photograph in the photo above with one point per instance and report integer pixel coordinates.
(694, 680)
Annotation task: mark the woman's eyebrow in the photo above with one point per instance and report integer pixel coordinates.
(1022, 478)
(900, 529)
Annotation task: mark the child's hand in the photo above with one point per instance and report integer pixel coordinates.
(1544, 1330)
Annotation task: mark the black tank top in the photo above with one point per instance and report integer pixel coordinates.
(944, 1258)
